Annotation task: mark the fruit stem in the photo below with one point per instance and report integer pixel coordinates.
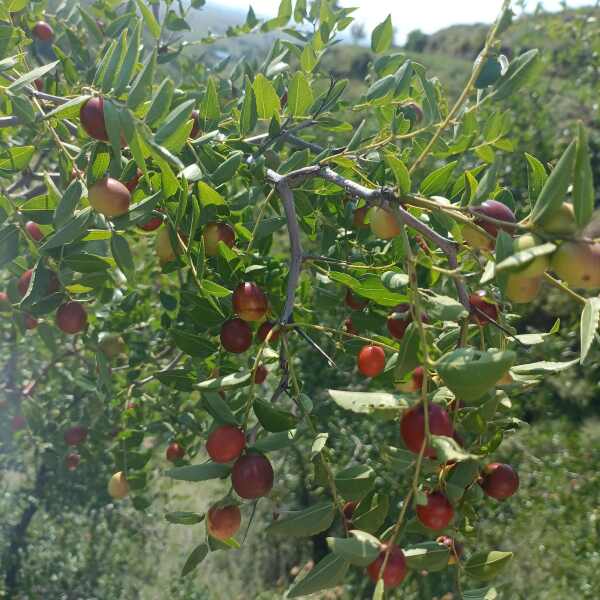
(561, 286)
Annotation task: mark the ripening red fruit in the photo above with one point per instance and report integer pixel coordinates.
(494, 210)
(236, 336)
(24, 280)
(249, 302)
(252, 476)
(354, 302)
(30, 322)
(71, 317)
(371, 361)
(91, 115)
(395, 569)
(175, 452)
(384, 224)
(225, 443)
(109, 197)
(456, 548)
(4, 302)
(417, 378)
(349, 327)
(34, 231)
(359, 216)
(263, 332)
(399, 320)
(42, 31)
(223, 523)
(17, 423)
(132, 183)
(481, 304)
(151, 224)
(196, 126)
(213, 234)
(260, 374)
(349, 509)
(75, 435)
(437, 513)
(72, 461)
(412, 427)
(499, 481)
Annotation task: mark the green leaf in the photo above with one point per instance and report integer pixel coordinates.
(129, 61)
(275, 441)
(209, 196)
(408, 355)
(486, 185)
(228, 381)
(72, 230)
(174, 121)
(444, 308)
(524, 257)
(300, 96)
(69, 109)
(267, 100)
(113, 128)
(271, 418)
(382, 36)
(536, 176)
(226, 170)
(15, 159)
(543, 367)
(202, 472)
(138, 212)
(369, 402)
(428, 556)
(218, 408)
(121, 252)
(199, 553)
(28, 78)
(184, 518)
(214, 289)
(438, 181)
(590, 320)
(210, 109)
(194, 345)
(521, 71)
(355, 482)
(151, 23)
(486, 593)
(357, 137)
(114, 64)
(555, 189)
(161, 102)
(400, 172)
(68, 203)
(88, 263)
(470, 373)
(449, 449)
(486, 565)
(142, 84)
(361, 549)
(180, 379)
(371, 512)
(308, 59)
(583, 184)
(328, 573)
(249, 114)
(304, 523)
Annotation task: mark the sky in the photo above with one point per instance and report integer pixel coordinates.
(427, 15)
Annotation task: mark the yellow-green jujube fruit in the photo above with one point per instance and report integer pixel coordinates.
(561, 222)
(539, 264)
(521, 290)
(578, 264)
(384, 224)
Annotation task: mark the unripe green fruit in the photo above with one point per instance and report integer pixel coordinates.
(383, 223)
(109, 197)
(578, 264)
(561, 223)
(520, 289)
(538, 265)
(477, 239)
(112, 345)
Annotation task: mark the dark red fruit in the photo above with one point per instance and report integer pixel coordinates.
(349, 509)
(213, 234)
(42, 31)
(481, 304)
(349, 327)
(399, 320)
(132, 183)
(151, 224)
(412, 427)
(371, 361)
(437, 513)
(72, 461)
(354, 302)
(30, 322)
(71, 317)
(494, 210)
(417, 378)
(24, 280)
(252, 476)
(263, 332)
(499, 481)
(91, 115)
(223, 523)
(250, 302)
(175, 452)
(196, 126)
(225, 443)
(395, 569)
(236, 336)
(39, 84)
(34, 231)
(75, 435)
(260, 374)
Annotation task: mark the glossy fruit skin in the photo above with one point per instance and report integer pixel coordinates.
(560, 223)
(225, 443)
(109, 197)
(383, 223)
(151, 224)
(371, 361)
(196, 126)
(75, 435)
(91, 115)
(500, 481)
(72, 461)
(252, 476)
(118, 486)
(395, 569)
(213, 234)
(223, 523)
(236, 336)
(494, 210)
(479, 301)
(260, 374)
(538, 265)
(399, 320)
(522, 290)
(412, 427)
(263, 332)
(34, 231)
(249, 302)
(164, 248)
(31, 322)
(353, 302)
(174, 452)
(359, 216)
(456, 548)
(71, 317)
(42, 31)
(437, 513)
(578, 264)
